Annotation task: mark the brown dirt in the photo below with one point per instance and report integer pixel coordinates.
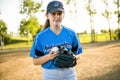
(99, 61)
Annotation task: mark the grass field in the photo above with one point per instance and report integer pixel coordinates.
(22, 42)
(18, 43)
(86, 38)
(99, 61)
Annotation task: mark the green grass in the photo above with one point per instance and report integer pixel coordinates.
(17, 43)
(86, 38)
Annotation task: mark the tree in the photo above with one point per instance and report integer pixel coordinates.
(103, 31)
(107, 15)
(85, 32)
(116, 31)
(3, 32)
(91, 11)
(30, 25)
(3, 28)
(117, 12)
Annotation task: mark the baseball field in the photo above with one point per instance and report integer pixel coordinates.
(99, 61)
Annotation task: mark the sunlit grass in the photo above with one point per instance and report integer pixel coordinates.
(23, 42)
(86, 38)
(18, 45)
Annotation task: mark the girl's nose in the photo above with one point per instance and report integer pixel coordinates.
(56, 16)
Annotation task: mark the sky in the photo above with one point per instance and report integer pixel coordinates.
(79, 22)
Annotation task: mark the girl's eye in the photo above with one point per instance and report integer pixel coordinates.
(57, 13)
(53, 13)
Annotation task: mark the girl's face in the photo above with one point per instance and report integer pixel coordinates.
(55, 18)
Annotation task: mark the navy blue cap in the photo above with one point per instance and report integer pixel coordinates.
(55, 6)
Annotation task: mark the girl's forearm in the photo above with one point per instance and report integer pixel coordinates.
(41, 60)
(45, 58)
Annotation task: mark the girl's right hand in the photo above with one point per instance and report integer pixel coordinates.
(53, 54)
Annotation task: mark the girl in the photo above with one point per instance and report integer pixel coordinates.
(53, 35)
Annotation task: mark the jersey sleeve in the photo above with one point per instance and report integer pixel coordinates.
(76, 46)
(36, 49)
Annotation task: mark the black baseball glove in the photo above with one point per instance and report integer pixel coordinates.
(65, 58)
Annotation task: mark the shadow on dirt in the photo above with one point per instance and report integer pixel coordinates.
(114, 74)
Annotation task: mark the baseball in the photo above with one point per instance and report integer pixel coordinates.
(55, 49)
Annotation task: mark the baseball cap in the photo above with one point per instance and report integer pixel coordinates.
(55, 6)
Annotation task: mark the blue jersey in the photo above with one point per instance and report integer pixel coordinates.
(47, 39)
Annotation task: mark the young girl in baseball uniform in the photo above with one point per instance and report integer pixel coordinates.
(53, 35)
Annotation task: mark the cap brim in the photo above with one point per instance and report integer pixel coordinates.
(56, 9)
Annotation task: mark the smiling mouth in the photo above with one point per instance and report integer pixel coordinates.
(57, 20)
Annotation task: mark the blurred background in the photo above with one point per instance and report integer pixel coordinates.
(92, 20)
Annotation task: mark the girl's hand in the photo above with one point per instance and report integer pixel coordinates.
(53, 54)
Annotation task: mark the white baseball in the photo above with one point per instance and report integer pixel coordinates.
(55, 49)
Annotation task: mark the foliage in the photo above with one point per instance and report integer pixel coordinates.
(103, 31)
(106, 13)
(117, 30)
(7, 39)
(3, 28)
(29, 7)
(90, 8)
(4, 38)
(29, 27)
(68, 1)
(117, 12)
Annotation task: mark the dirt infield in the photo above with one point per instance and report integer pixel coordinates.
(99, 61)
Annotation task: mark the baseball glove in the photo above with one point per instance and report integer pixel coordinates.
(65, 59)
